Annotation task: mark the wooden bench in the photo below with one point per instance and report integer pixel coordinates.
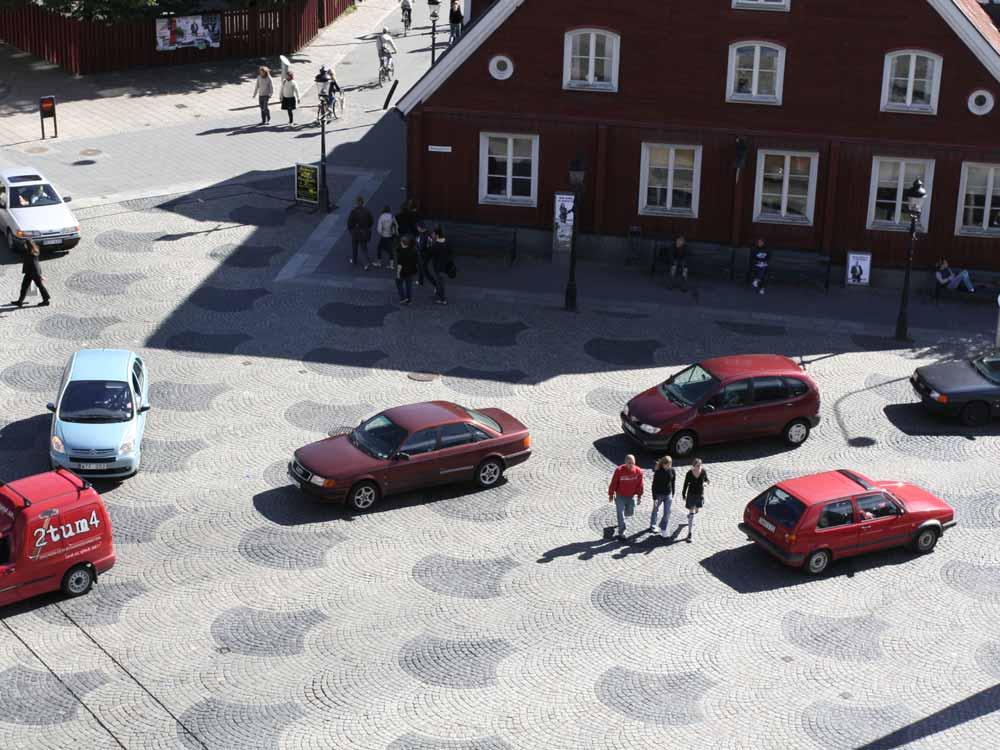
(482, 241)
(795, 267)
(703, 259)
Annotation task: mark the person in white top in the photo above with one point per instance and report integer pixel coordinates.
(387, 230)
(263, 89)
(290, 96)
(386, 47)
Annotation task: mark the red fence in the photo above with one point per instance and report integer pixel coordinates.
(83, 47)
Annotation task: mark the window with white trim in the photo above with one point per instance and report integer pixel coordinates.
(756, 73)
(786, 186)
(979, 208)
(911, 82)
(590, 60)
(891, 178)
(762, 4)
(508, 168)
(669, 180)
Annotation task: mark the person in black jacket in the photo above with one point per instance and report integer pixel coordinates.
(694, 492)
(406, 268)
(760, 260)
(32, 273)
(455, 19)
(360, 222)
(441, 258)
(664, 481)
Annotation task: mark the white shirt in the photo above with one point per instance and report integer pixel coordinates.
(290, 89)
(387, 225)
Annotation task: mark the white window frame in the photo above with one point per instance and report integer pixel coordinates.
(918, 109)
(904, 223)
(590, 85)
(484, 150)
(759, 188)
(778, 5)
(779, 78)
(994, 178)
(647, 210)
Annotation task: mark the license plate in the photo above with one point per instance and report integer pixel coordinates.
(51, 242)
(93, 467)
(766, 524)
(629, 427)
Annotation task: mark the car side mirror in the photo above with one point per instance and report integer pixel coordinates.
(401, 456)
(50, 406)
(707, 408)
(67, 198)
(144, 409)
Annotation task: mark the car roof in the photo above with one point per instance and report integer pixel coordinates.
(426, 414)
(40, 490)
(814, 489)
(11, 175)
(746, 365)
(101, 364)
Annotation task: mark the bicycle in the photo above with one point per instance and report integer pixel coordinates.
(386, 71)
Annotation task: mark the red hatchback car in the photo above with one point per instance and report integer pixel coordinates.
(723, 399)
(810, 521)
(410, 447)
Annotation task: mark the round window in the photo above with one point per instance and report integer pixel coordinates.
(501, 67)
(981, 102)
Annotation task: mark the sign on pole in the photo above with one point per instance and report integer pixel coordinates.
(565, 215)
(307, 183)
(47, 109)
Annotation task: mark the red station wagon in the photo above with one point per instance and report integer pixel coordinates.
(723, 399)
(811, 520)
(410, 447)
(55, 533)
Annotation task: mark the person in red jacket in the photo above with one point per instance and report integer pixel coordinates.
(625, 491)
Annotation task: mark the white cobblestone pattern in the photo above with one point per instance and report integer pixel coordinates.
(244, 615)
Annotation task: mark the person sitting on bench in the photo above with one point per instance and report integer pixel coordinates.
(952, 278)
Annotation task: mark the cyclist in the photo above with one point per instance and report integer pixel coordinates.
(386, 48)
(407, 6)
(326, 88)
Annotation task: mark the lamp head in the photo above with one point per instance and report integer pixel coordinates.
(915, 195)
(577, 172)
(434, 14)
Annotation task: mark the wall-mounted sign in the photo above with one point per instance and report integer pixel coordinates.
(439, 149)
(859, 268)
(307, 183)
(565, 214)
(178, 32)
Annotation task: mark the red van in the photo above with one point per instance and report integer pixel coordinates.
(55, 533)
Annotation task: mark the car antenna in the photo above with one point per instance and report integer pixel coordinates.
(27, 502)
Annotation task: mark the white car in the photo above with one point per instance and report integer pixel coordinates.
(31, 209)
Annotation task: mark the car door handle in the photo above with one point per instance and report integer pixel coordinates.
(865, 527)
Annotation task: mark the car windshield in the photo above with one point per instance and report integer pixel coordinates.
(478, 416)
(378, 436)
(780, 507)
(96, 401)
(988, 367)
(33, 195)
(689, 385)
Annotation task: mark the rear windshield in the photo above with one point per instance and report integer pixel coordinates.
(478, 416)
(96, 401)
(780, 507)
(689, 385)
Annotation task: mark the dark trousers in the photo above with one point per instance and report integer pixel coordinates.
(359, 242)
(439, 277)
(265, 113)
(384, 246)
(26, 282)
(405, 286)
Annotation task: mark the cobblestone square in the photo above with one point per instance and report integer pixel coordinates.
(243, 615)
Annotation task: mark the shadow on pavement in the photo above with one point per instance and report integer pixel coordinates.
(615, 447)
(912, 419)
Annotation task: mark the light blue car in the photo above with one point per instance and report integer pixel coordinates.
(100, 415)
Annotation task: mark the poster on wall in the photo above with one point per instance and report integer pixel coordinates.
(859, 268)
(178, 32)
(562, 234)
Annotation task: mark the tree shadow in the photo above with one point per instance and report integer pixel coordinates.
(914, 420)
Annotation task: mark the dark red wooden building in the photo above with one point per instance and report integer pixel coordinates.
(840, 106)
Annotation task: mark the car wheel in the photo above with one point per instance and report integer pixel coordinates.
(489, 473)
(796, 432)
(975, 414)
(77, 580)
(817, 562)
(683, 444)
(363, 496)
(925, 540)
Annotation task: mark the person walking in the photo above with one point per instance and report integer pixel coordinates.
(455, 18)
(760, 259)
(422, 243)
(388, 230)
(263, 89)
(32, 273)
(625, 491)
(694, 492)
(290, 96)
(442, 261)
(664, 481)
(406, 268)
(359, 224)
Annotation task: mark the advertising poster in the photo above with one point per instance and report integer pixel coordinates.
(188, 31)
(859, 268)
(562, 235)
(307, 183)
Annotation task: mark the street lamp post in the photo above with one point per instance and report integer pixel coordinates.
(914, 196)
(434, 27)
(324, 188)
(577, 176)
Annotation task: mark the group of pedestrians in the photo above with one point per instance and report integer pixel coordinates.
(263, 90)
(628, 486)
(413, 252)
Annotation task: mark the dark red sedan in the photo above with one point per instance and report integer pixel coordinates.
(411, 447)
